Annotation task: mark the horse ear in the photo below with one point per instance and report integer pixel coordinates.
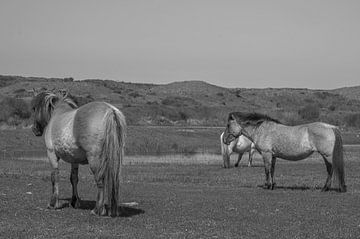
(53, 101)
(34, 91)
(231, 117)
(64, 93)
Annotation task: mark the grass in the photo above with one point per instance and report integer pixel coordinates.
(185, 199)
(141, 140)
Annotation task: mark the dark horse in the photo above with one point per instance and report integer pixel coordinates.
(92, 134)
(275, 140)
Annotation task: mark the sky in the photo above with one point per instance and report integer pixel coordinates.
(252, 44)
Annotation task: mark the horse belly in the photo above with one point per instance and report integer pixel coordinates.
(294, 156)
(297, 150)
(71, 155)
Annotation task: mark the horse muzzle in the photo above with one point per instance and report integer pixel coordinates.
(227, 140)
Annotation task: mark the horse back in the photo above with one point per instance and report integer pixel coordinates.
(297, 142)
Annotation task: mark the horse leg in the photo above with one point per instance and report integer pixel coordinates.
(267, 158)
(226, 159)
(329, 171)
(54, 200)
(272, 170)
(100, 201)
(100, 208)
(251, 155)
(239, 158)
(74, 179)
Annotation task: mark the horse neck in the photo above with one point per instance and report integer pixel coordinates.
(255, 130)
(251, 130)
(264, 127)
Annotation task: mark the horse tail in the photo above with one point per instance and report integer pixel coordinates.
(112, 155)
(224, 152)
(338, 160)
(222, 143)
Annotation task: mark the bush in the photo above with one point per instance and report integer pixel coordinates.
(332, 107)
(353, 120)
(179, 101)
(12, 110)
(309, 112)
(134, 94)
(81, 100)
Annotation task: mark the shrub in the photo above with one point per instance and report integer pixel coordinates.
(68, 79)
(134, 94)
(12, 109)
(81, 100)
(183, 115)
(179, 101)
(332, 107)
(353, 120)
(309, 112)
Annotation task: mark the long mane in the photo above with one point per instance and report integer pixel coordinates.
(251, 118)
(48, 99)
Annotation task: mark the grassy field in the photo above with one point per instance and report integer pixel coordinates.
(141, 140)
(185, 197)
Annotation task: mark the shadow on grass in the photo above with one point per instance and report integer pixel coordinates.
(252, 166)
(89, 205)
(300, 188)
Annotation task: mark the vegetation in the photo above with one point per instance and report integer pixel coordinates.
(309, 112)
(172, 199)
(14, 111)
(192, 103)
(353, 120)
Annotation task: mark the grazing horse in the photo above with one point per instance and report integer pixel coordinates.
(275, 140)
(92, 134)
(240, 145)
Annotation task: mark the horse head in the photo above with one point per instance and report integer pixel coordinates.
(233, 130)
(42, 106)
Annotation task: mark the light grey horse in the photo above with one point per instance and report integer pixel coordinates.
(92, 134)
(275, 140)
(240, 145)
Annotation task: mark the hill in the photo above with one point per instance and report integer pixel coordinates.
(189, 102)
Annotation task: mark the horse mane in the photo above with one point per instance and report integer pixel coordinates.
(251, 118)
(48, 100)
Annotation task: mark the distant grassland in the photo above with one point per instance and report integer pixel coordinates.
(141, 140)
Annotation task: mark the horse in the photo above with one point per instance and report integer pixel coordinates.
(92, 134)
(276, 140)
(240, 145)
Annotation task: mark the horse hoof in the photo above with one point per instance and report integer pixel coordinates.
(342, 190)
(273, 186)
(324, 189)
(236, 165)
(99, 212)
(55, 207)
(75, 203)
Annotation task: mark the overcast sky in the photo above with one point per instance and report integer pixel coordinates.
(312, 44)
